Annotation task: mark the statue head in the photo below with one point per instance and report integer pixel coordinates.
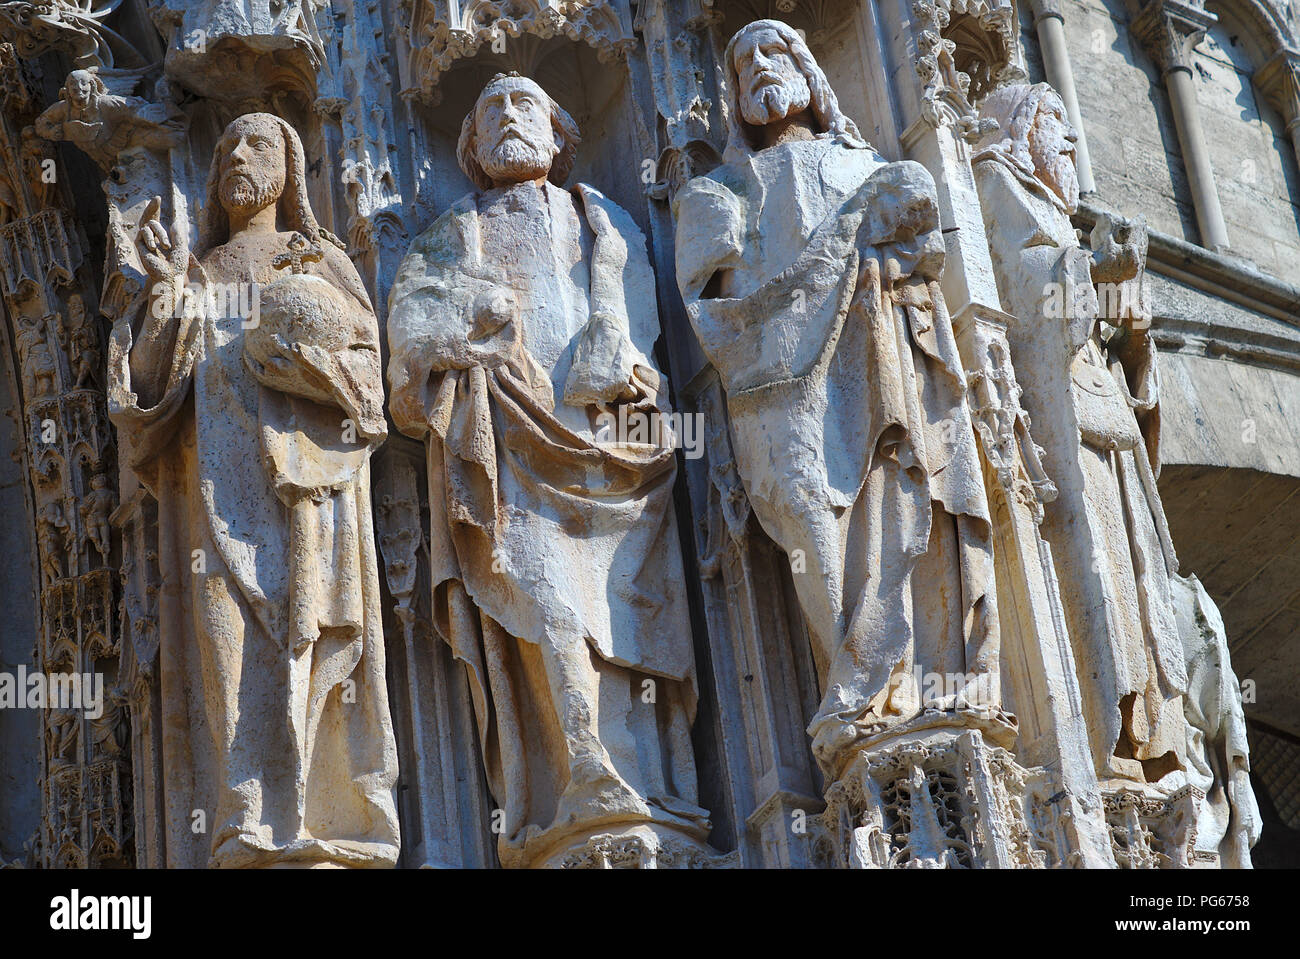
(1034, 136)
(82, 87)
(772, 76)
(258, 162)
(515, 133)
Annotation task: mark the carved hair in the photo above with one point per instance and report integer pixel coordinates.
(566, 133)
(1015, 108)
(742, 137)
(96, 81)
(294, 205)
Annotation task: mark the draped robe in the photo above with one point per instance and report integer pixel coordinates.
(277, 745)
(846, 399)
(1095, 411)
(557, 573)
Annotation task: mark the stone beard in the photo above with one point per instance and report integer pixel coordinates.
(522, 314)
(274, 711)
(809, 271)
(1082, 390)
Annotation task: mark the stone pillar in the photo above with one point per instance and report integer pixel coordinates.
(1170, 29)
(1049, 22)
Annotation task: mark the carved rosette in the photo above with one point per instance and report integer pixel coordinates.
(442, 32)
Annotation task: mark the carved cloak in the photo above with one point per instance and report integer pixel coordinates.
(1107, 526)
(275, 715)
(543, 533)
(846, 399)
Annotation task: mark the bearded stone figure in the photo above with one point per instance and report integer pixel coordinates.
(520, 320)
(254, 433)
(1090, 387)
(809, 267)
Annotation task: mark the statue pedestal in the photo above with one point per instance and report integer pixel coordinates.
(635, 846)
(937, 792)
(1153, 828)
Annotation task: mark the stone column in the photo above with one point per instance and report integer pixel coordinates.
(1049, 22)
(1170, 29)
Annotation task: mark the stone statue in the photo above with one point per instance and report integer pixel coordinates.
(520, 323)
(254, 433)
(96, 508)
(1091, 389)
(809, 267)
(1218, 752)
(52, 533)
(103, 124)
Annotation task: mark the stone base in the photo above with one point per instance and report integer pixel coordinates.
(636, 846)
(932, 793)
(1151, 828)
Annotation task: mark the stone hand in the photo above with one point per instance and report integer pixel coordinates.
(163, 257)
(494, 333)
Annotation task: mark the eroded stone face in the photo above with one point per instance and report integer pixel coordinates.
(772, 86)
(1051, 144)
(252, 166)
(514, 141)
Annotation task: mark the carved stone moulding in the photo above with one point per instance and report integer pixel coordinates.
(75, 30)
(1151, 829)
(237, 51)
(445, 31)
(640, 846)
(938, 792)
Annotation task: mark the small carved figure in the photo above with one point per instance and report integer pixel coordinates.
(96, 507)
(102, 125)
(52, 534)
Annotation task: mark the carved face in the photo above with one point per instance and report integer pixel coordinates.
(1051, 145)
(771, 85)
(514, 140)
(252, 165)
(81, 87)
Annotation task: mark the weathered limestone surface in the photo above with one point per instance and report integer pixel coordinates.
(521, 326)
(271, 652)
(761, 465)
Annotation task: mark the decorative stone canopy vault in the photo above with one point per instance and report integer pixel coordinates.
(441, 32)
